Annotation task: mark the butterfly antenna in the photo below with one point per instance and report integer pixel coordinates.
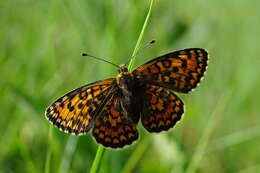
(144, 47)
(86, 54)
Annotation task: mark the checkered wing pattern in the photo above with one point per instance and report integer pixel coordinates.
(114, 128)
(75, 111)
(162, 109)
(180, 70)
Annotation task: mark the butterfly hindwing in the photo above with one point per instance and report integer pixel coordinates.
(180, 70)
(74, 111)
(113, 127)
(162, 109)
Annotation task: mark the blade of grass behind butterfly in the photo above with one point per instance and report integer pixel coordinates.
(100, 151)
(136, 155)
(48, 156)
(138, 43)
(204, 140)
(69, 150)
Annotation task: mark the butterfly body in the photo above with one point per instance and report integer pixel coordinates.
(112, 108)
(131, 94)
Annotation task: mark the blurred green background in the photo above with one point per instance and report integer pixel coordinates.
(40, 46)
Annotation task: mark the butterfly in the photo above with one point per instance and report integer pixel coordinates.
(112, 108)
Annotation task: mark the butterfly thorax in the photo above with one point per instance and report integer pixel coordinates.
(125, 80)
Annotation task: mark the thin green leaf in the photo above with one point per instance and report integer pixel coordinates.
(138, 44)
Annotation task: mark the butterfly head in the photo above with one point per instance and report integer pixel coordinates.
(122, 68)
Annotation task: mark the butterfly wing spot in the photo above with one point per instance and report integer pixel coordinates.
(162, 114)
(73, 113)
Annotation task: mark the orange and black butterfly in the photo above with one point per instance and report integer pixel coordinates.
(111, 108)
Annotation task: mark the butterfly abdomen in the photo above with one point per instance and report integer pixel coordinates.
(131, 93)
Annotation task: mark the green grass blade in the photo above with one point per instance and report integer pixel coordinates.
(136, 155)
(235, 138)
(204, 140)
(48, 157)
(97, 160)
(69, 150)
(138, 43)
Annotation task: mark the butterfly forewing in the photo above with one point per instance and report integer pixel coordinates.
(74, 112)
(180, 70)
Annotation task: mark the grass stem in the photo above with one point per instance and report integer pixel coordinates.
(136, 155)
(97, 160)
(138, 43)
(204, 140)
(48, 157)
